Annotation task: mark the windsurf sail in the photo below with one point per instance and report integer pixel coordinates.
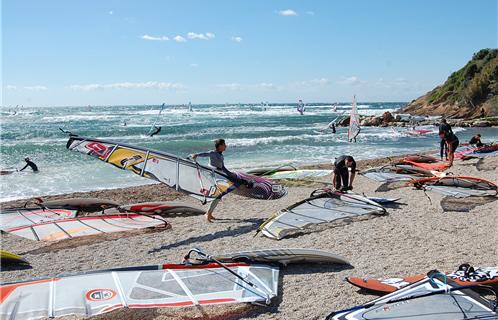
(21, 217)
(79, 204)
(168, 285)
(335, 120)
(397, 172)
(283, 256)
(86, 226)
(161, 208)
(458, 187)
(299, 174)
(190, 107)
(429, 298)
(321, 207)
(354, 122)
(300, 107)
(154, 128)
(184, 175)
(464, 275)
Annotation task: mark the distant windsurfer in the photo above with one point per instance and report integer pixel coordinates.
(156, 131)
(343, 179)
(444, 127)
(476, 140)
(332, 126)
(452, 143)
(30, 164)
(217, 161)
(300, 107)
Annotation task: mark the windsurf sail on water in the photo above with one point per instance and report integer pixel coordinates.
(300, 107)
(321, 207)
(458, 187)
(184, 175)
(86, 226)
(154, 129)
(167, 285)
(354, 122)
(430, 298)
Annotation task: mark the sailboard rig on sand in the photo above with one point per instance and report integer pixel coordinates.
(458, 187)
(86, 226)
(397, 172)
(321, 207)
(154, 129)
(354, 122)
(167, 285)
(22, 217)
(434, 297)
(184, 175)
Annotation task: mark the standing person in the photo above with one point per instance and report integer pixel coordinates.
(217, 161)
(30, 164)
(452, 143)
(476, 140)
(333, 128)
(444, 127)
(343, 179)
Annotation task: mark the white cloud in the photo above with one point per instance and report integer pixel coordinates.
(268, 86)
(36, 88)
(129, 85)
(152, 38)
(312, 83)
(230, 86)
(311, 13)
(10, 87)
(353, 80)
(237, 39)
(179, 38)
(111, 12)
(194, 65)
(200, 36)
(287, 13)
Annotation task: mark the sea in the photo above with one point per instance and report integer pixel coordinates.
(262, 135)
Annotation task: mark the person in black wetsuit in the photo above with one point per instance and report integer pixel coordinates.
(451, 144)
(30, 164)
(443, 128)
(217, 161)
(156, 131)
(342, 179)
(476, 140)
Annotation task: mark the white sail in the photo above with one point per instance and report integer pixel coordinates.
(152, 128)
(354, 122)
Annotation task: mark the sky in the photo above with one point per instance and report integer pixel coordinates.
(123, 52)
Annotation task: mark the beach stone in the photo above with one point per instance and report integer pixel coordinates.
(387, 117)
(480, 123)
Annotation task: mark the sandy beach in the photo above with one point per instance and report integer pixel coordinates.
(413, 238)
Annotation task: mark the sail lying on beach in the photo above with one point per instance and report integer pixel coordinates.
(321, 207)
(397, 172)
(354, 122)
(86, 226)
(459, 187)
(21, 217)
(184, 175)
(430, 298)
(168, 285)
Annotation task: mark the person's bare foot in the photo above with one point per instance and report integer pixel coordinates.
(209, 217)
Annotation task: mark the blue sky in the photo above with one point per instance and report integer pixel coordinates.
(59, 52)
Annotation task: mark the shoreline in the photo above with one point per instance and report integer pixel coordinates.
(147, 190)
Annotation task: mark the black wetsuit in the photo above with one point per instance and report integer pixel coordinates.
(444, 127)
(156, 131)
(341, 172)
(476, 141)
(452, 141)
(333, 128)
(30, 164)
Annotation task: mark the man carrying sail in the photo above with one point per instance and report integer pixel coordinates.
(217, 161)
(343, 179)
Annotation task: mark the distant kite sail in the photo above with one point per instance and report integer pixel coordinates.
(86, 226)
(354, 122)
(168, 285)
(321, 207)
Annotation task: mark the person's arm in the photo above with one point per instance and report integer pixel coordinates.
(353, 174)
(24, 167)
(333, 180)
(202, 154)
